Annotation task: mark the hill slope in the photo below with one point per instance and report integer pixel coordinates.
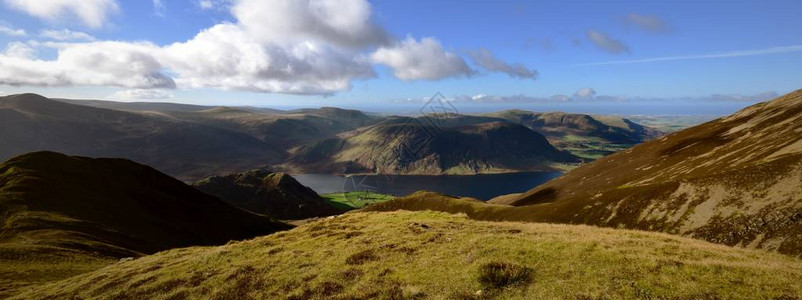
(185, 149)
(57, 209)
(735, 181)
(406, 255)
(273, 194)
(411, 146)
(584, 135)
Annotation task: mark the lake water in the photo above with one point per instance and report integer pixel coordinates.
(481, 186)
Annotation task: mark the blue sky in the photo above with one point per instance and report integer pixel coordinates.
(387, 53)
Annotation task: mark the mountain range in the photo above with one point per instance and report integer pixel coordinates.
(734, 180)
(193, 142)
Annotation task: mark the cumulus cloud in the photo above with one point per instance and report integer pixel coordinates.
(605, 42)
(485, 59)
(6, 30)
(285, 46)
(131, 65)
(345, 23)
(647, 22)
(142, 94)
(225, 56)
(92, 13)
(19, 50)
(65, 35)
(424, 59)
(585, 93)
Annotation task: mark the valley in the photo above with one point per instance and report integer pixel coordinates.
(327, 140)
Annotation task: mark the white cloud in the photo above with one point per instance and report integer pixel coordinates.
(12, 31)
(585, 93)
(158, 8)
(413, 60)
(92, 13)
(213, 4)
(605, 42)
(65, 35)
(142, 94)
(20, 50)
(738, 53)
(341, 22)
(485, 59)
(225, 56)
(648, 23)
(131, 65)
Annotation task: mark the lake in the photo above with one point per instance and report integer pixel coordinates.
(481, 186)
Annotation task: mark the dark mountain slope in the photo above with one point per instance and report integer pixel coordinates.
(736, 180)
(274, 194)
(185, 149)
(57, 209)
(410, 146)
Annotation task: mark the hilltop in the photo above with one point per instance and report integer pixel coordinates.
(588, 136)
(62, 215)
(734, 181)
(412, 146)
(269, 193)
(416, 255)
(185, 149)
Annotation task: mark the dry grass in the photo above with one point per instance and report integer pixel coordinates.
(415, 255)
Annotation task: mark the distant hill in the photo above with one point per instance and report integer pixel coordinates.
(186, 149)
(735, 181)
(192, 142)
(584, 135)
(273, 194)
(411, 146)
(61, 214)
(428, 255)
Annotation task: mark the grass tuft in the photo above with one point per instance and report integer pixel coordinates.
(498, 275)
(362, 257)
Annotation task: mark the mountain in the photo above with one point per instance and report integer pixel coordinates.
(137, 106)
(273, 194)
(584, 135)
(60, 214)
(285, 130)
(185, 149)
(429, 255)
(735, 181)
(405, 145)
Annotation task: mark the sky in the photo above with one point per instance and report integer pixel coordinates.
(626, 57)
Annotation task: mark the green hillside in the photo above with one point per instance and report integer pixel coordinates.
(423, 255)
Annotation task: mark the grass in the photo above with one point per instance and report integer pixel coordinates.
(355, 200)
(416, 255)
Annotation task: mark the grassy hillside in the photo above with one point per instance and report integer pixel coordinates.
(735, 181)
(277, 195)
(406, 255)
(590, 137)
(62, 215)
(182, 148)
(355, 200)
(412, 146)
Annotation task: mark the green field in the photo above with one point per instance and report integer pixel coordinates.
(355, 200)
